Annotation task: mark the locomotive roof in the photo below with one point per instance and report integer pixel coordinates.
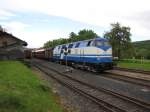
(97, 38)
(101, 39)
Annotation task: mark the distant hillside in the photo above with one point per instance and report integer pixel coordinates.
(142, 49)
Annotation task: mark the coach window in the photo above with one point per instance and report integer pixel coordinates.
(77, 45)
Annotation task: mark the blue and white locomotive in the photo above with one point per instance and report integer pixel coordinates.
(93, 54)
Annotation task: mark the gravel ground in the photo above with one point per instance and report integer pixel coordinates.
(72, 101)
(129, 89)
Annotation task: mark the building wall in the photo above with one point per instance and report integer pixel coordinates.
(11, 48)
(8, 40)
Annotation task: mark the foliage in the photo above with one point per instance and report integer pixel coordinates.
(144, 61)
(135, 64)
(55, 42)
(22, 91)
(119, 37)
(142, 49)
(73, 37)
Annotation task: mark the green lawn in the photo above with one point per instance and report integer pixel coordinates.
(134, 65)
(22, 91)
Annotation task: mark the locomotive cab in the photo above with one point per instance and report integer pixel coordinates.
(104, 51)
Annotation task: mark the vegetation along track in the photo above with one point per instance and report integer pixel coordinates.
(133, 70)
(94, 93)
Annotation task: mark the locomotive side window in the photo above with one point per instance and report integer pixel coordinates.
(77, 45)
(70, 46)
(88, 44)
(63, 47)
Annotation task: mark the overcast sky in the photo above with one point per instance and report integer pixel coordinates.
(37, 21)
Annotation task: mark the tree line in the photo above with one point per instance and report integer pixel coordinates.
(73, 37)
(119, 37)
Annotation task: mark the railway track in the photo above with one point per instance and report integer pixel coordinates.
(128, 101)
(106, 106)
(133, 80)
(125, 78)
(133, 70)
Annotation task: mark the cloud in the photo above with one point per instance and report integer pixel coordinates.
(96, 12)
(91, 11)
(5, 15)
(143, 18)
(33, 38)
(133, 13)
(37, 39)
(14, 26)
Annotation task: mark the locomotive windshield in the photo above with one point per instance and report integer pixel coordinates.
(106, 44)
(102, 43)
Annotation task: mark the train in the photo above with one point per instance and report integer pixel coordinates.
(93, 54)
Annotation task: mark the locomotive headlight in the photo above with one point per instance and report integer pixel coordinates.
(109, 51)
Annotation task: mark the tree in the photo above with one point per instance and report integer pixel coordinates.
(86, 34)
(48, 44)
(72, 37)
(119, 37)
(82, 35)
(55, 42)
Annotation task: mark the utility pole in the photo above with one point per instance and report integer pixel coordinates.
(66, 51)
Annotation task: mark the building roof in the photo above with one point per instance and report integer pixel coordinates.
(3, 33)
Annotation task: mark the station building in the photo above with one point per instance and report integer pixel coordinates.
(11, 47)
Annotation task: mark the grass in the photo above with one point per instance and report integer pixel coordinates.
(135, 64)
(22, 91)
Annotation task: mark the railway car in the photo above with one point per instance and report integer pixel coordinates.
(39, 53)
(95, 54)
(49, 54)
(28, 53)
(43, 53)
